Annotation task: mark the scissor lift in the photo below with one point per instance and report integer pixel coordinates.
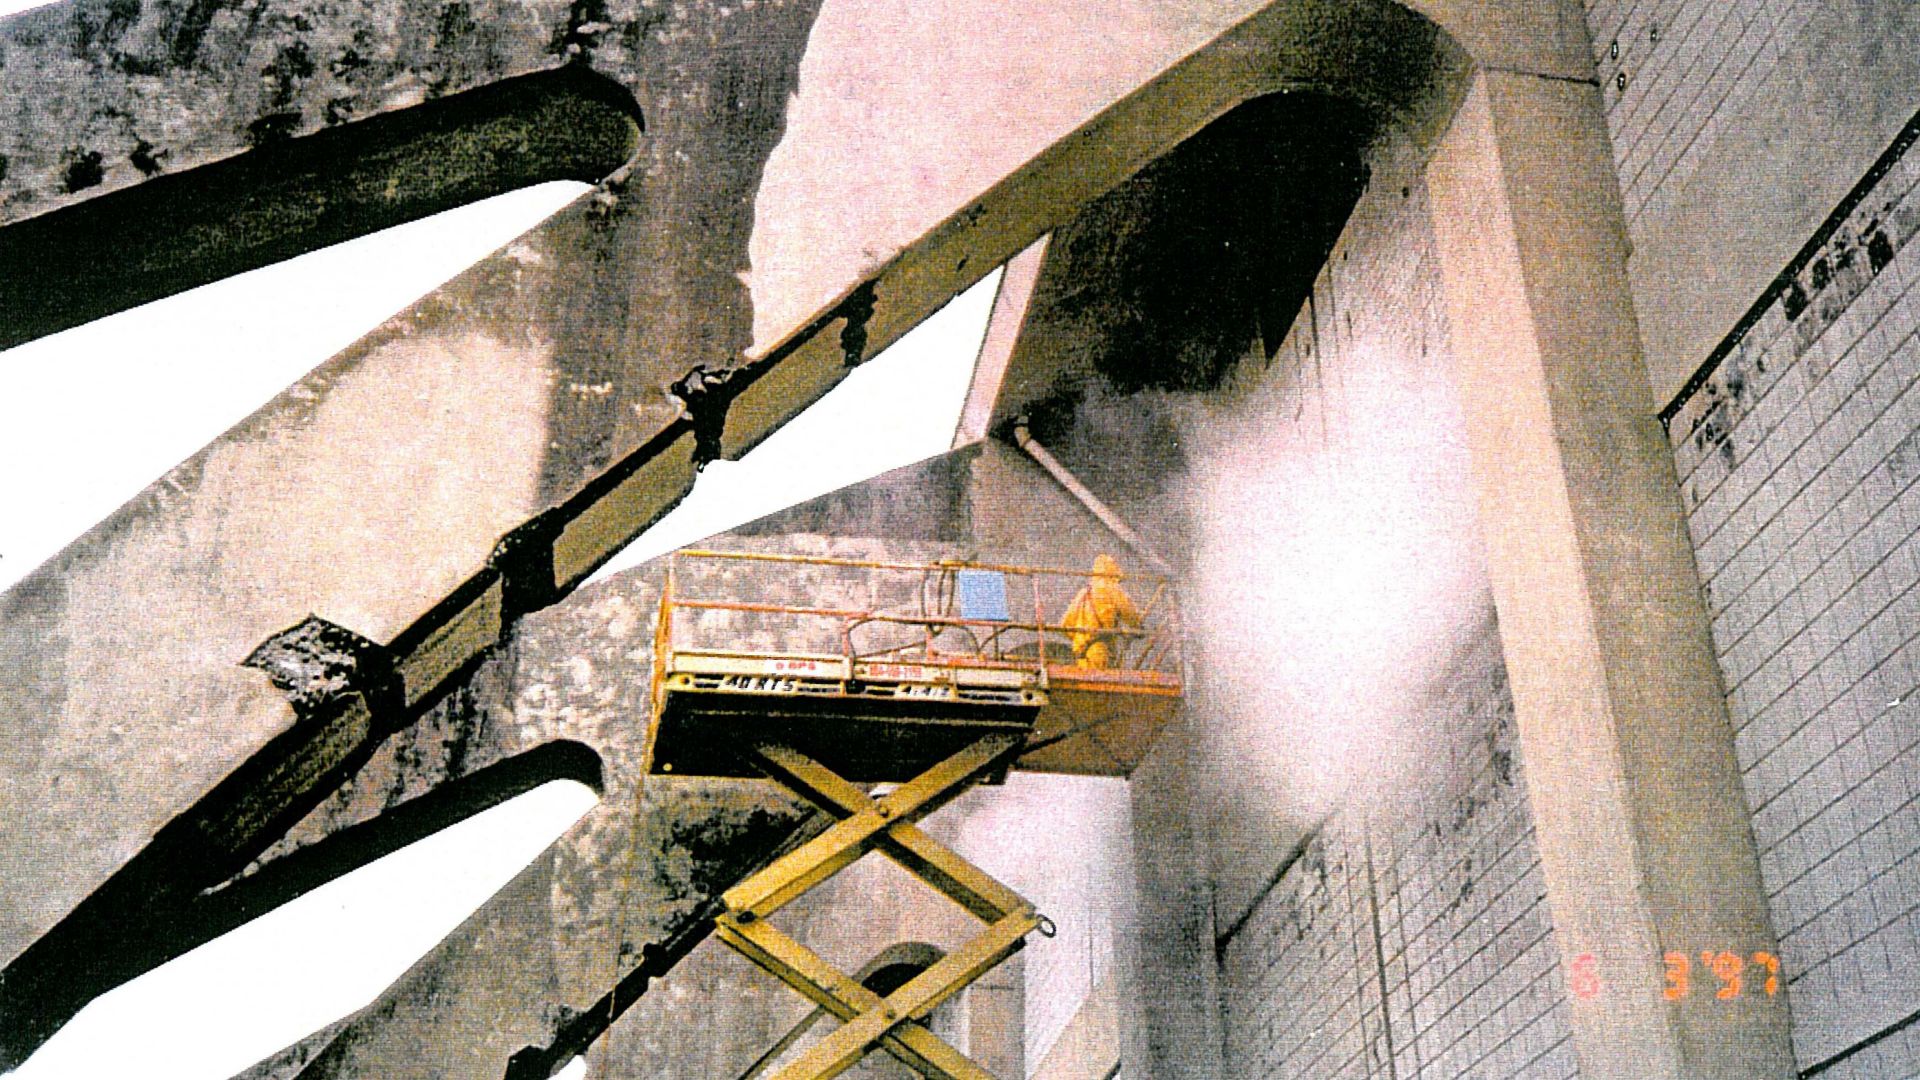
(935, 688)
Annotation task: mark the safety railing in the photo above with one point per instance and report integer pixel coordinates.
(938, 614)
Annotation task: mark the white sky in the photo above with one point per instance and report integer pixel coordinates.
(90, 416)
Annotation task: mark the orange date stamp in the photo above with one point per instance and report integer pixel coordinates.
(1725, 974)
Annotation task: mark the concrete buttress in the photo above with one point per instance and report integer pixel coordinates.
(1642, 823)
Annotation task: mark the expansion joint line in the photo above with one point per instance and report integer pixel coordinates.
(1380, 954)
(1578, 80)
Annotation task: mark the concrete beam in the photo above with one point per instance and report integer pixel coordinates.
(1642, 824)
(1011, 305)
(286, 196)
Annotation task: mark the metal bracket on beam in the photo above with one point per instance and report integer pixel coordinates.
(317, 662)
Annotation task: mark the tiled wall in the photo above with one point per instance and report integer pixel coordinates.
(1673, 71)
(1797, 459)
(1411, 937)
(1465, 930)
(1294, 988)
(1416, 933)
(1896, 1057)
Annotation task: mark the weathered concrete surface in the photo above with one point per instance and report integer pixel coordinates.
(101, 96)
(372, 493)
(622, 295)
(639, 867)
(293, 195)
(367, 492)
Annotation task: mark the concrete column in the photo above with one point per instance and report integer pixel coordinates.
(1176, 963)
(1643, 828)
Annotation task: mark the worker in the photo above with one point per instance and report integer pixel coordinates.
(1102, 606)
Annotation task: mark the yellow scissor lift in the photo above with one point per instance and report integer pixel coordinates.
(933, 687)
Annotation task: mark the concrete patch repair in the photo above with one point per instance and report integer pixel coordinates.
(1423, 583)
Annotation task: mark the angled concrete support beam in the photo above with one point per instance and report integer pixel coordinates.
(1009, 317)
(1641, 820)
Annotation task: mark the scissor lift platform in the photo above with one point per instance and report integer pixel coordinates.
(948, 667)
(872, 721)
(1100, 723)
(953, 694)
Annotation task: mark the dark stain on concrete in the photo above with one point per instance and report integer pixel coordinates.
(1158, 290)
(347, 63)
(1879, 249)
(858, 312)
(706, 394)
(1465, 892)
(144, 158)
(84, 170)
(272, 129)
(657, 282)
(454, 26)
(188, 29)
(95, 73)
(586, 22)
(1853, 218)
(1501, 757)
(103, 24)
(1170, 274)
(1794, 300)
(317, 661)
(291, 66)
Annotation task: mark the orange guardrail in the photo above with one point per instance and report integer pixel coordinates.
(917, 613)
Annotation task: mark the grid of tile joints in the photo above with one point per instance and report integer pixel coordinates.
(1797, 461)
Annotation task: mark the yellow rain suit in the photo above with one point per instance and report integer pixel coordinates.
(1102, 605)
